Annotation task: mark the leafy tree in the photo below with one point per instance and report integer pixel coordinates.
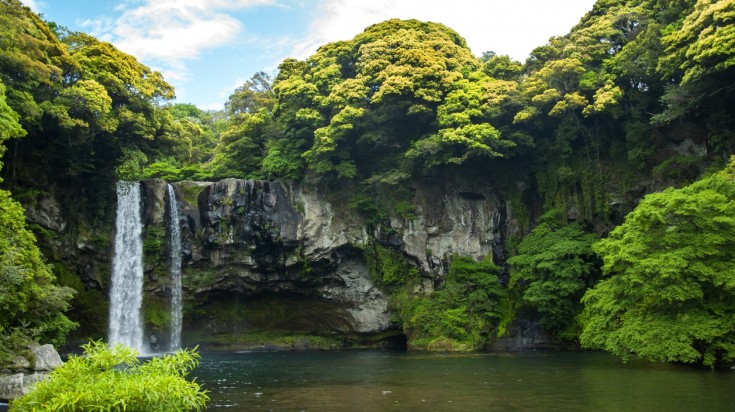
(703, 43)
(698, 64)
(114, 379)
(257, 93)
(553, 268)
(9, 121)
(30, 301)
(394, 95)
(501, 67)
(669, 294)
(461, 315)
(31, 304)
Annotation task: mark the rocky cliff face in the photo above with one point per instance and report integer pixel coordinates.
(275, 255)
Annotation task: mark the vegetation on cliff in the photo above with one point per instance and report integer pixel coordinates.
(635, 99)
(463, 315)
(669, 289)
(31, 304)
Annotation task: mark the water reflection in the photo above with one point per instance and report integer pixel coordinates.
(380, 381)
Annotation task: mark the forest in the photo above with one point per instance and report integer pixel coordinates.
(621, 132)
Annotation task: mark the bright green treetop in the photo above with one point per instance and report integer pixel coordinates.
(670, 290)
(400, 90)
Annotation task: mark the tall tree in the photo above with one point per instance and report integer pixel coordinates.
(365, 108)
(669, 294)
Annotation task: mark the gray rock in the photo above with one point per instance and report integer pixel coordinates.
(11, 386)
(46, 358)
(19, 363)
(245, 238)
(17, 385)
(47, 213)
(32, 379)
(155, 200)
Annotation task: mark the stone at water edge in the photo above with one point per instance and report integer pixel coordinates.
(15, 386)
(45, 358)
(11, 386)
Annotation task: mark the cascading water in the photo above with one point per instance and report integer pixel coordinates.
(126, 291)
(175, 250)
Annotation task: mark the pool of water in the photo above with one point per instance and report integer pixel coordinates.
(401, 381)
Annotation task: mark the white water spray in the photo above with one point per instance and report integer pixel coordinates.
(126, 291)
(175, 254)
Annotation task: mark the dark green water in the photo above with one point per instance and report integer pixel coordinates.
(396, 381)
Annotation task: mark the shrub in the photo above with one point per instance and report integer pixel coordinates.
(461, 315)
(113, 379)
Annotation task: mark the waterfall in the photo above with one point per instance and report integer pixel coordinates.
(175, 251)
(126, 291)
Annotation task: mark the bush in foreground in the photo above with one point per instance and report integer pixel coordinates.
(113, 379)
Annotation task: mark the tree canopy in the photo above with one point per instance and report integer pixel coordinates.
(554, 266)
(669, 290)
(637, 97)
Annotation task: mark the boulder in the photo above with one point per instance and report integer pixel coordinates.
(46, 357)
(15, 386)
(19, 363)
(11, 386)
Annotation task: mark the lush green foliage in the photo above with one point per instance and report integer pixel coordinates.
(389, 268)
(670, 290)
(113, 379)
(29, 299)
(636, 97)
(400, 92)
(31, 304)
(552, 270)
(461, 315)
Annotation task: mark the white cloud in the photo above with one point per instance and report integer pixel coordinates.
(170, 32)
(34, 5)
(505, 27)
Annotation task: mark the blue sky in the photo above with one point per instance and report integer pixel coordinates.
(207, 48)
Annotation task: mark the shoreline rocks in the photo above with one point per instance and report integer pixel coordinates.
(23, 373)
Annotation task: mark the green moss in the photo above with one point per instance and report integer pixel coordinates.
(574, 184)
(89, 307)
(389, 268)
(28, 196)
(405, 210)
(678, 167)
(279, 339)
(441, 344)
(300, 207)
(191, 192)
(520, 215)
(459, 316)
(154, 239)
(100, 241)
(154, 250)
(43, 233)
(198, 278)
(156, 312)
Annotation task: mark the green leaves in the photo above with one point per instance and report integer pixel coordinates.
(671, 266)
(553, 267)
(30, 300)
(113, 379)
(9, 121)
(399, 90)
(461, 315)
(704, 44)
